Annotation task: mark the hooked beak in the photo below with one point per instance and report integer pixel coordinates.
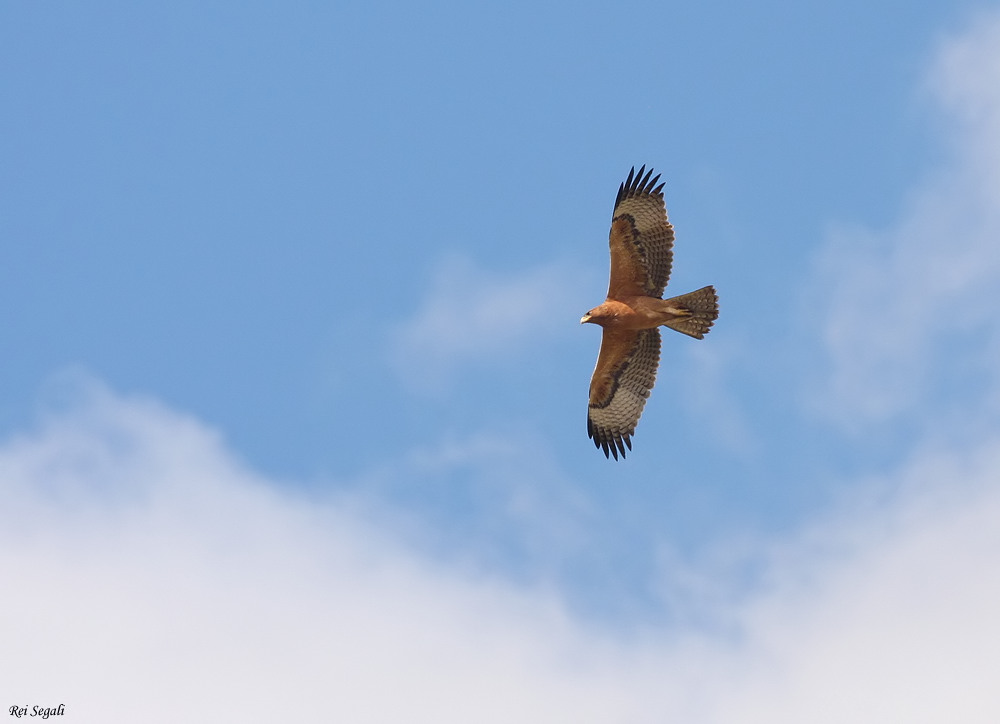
(585, 318)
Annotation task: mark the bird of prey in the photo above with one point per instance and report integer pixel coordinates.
(641, 241)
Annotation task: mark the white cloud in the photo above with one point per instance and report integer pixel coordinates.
(889, 617)
(472, 315)
(147, 575)
(915, 303)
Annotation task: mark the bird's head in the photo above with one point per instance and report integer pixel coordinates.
(597, 315)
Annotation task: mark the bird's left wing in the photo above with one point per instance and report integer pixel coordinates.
(641, 239)
(625, 373)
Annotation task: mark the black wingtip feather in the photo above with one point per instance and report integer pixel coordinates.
(641, 186)
(625, 189)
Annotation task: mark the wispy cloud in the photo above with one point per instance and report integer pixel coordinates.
(472, 315)
(709, 397)
(915, 302)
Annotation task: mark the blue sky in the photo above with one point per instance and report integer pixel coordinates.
(289, 302)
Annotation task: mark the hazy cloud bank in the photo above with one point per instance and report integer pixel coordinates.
(147, 574)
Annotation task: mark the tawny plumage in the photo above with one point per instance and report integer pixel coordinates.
(641, 242)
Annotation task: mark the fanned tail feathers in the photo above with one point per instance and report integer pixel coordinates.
(703, 309)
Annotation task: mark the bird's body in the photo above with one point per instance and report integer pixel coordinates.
(632, 312)
(641, 243)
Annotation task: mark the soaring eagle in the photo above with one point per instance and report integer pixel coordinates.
(641, 243)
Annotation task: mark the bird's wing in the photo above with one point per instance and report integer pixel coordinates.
(641, 240)
(625, 373)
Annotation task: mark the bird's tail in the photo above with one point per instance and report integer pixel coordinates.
(693, 313)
